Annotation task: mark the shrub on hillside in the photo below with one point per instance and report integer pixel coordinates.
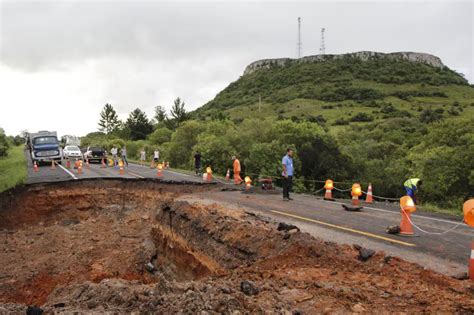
(341, 122)
(429, 116)
(4, 145)
(362, 117)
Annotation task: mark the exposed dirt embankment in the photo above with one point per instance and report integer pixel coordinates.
(128, 246)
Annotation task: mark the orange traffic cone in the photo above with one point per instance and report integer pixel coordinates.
(329, 185)
(121, 169)
(407, 206)
(68, 163)
(53, 165)
(35, 167)
(355, 200)
(248, 183)
(405, 226)
(79, 167)
(159, 170)
(102, 164)
(209, 174)
(471, 263)
(227, 175)
(356, 192)
(369, 198)
(328, 194)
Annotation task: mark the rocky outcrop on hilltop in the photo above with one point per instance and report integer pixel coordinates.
(362, 55)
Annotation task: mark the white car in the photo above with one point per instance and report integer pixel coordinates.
(72, 152)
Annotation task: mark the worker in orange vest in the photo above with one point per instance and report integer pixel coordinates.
(237, 178)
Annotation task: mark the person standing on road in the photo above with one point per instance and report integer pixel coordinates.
(123, 152)
(197, 163)
(156, 156)
(288, 171)
(142, 157)
(114, 155)
(411, 185)
(237, 169)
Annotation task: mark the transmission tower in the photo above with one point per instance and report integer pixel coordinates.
(322, 49)
(299, 44)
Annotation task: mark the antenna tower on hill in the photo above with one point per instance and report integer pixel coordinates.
(322, 49)
(299, 44)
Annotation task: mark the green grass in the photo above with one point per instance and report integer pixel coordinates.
(300, 92)
(430, 207)
(13, 168)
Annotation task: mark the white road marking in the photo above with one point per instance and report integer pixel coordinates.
(134, 174)
(67, 171)
(180, 173)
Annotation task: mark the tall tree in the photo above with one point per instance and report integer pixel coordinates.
(109, 121)
(178, 112)
(160, 114)
(138, 124)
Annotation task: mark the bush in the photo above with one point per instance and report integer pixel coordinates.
(160, 136)
(4, 145)
(341, 122)
(429, 116)
(362, 117)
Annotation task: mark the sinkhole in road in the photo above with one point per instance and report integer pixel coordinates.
(135, 246)
(92, 230)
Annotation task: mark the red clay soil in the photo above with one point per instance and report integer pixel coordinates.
(128, 247)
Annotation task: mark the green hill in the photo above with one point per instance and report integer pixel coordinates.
(342, 91)
(382, 118)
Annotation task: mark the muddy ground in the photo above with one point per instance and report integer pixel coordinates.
(115, 246)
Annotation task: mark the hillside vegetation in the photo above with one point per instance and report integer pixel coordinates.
(389, 119)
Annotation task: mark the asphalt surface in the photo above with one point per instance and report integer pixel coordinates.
(448, 253)
(96, 170)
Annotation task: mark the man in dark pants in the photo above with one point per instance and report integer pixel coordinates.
(288, 171)
(197, 163)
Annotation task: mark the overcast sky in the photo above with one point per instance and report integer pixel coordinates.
(61, 61)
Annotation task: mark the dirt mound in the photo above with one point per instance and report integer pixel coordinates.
(131, 248)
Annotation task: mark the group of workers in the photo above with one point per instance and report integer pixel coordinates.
(411, 185)
(123, 154)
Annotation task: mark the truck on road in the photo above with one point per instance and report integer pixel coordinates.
(44, 146)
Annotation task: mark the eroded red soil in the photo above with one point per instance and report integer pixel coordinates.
(123, 247)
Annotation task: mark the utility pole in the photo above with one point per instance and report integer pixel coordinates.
(299, 45)
(322, 49)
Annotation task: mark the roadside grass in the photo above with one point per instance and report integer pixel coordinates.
(12, 168)
(429, 207)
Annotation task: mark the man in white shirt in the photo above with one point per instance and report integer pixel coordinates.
(114, 152)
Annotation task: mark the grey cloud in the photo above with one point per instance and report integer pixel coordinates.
(195, 47)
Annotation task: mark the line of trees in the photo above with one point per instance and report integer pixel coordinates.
(138, 126)
(7, 141)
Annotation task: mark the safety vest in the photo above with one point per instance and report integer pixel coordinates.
(411, 183)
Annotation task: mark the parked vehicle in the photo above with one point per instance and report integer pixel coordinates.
(72, 140)
(72, 152)
(44, 146)
(95, 153)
